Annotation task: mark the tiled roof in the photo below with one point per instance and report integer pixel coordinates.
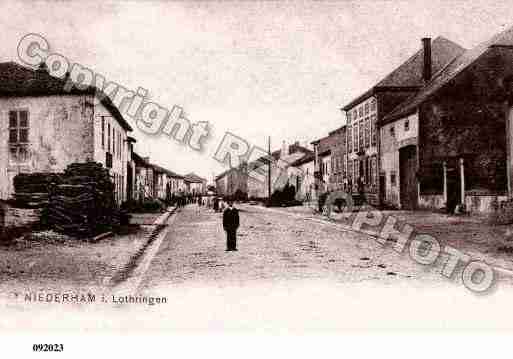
(409, 74)
(454, 68)
(19, 81)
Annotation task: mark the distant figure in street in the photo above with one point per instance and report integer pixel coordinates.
(216, 204)
(230, 225)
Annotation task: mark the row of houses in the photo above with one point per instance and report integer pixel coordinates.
(291, 164)
(47, 126)
(434, 133)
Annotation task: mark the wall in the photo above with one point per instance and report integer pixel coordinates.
(390, 145)
(365, 114)
(306, 189)
(118, 147)
(60, 132)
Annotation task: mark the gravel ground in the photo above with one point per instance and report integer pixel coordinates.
(278, 247)
(65, 265)
(293, 272)
(471, 235)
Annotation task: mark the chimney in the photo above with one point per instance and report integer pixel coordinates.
(426, 70)
(283, 149)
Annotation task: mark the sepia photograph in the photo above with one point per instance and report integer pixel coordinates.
(223, 167)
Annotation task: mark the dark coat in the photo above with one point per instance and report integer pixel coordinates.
(230, 219)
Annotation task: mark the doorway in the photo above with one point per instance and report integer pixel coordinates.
(407, 177)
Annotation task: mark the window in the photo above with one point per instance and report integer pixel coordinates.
(103, 132)
(374, 170)
(344, 169)
(355, 137)
(373, 130)
(373, 104)
(367, 132)
(18, 136)
(108, 137)
(361, 134)
(349, 139)
(366, 109)
(356, 170)
(406, 125)
(360, 111)
(393, 178)
(392, 131)
(108, 159)
(350, 169)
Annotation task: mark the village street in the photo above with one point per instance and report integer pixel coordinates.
(275, 246)
(292, 270)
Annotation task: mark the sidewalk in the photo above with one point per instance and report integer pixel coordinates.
(470, 235)
(47, 262)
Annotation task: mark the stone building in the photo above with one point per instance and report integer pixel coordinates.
(232, 180)
(450, 143)
(196, 185)
(144, 184)
(322, 163)
(301, 175)
(46, 127)
(365, 112)
(282, 160)
(338, 159)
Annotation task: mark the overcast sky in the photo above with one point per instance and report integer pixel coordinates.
(257, 69)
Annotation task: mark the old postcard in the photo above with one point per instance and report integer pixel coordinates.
(255, 166)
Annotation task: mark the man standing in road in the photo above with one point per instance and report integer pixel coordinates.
(230, 225)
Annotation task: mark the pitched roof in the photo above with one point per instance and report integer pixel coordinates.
(309, 157)
(166, 171)
(139, 160)
(448, 73)
(20, 81)
(409, 74)
(194, 178)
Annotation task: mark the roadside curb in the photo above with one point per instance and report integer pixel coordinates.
(131, 264)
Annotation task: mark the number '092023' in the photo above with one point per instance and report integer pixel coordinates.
(48, 347)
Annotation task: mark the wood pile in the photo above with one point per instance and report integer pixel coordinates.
(31, 189)
(83, 203)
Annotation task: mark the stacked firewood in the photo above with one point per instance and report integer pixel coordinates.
(31, 189)
(83, 204)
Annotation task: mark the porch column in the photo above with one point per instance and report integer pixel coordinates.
(462, 178)
(445, 183)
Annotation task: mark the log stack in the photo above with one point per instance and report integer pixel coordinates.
(83, 203)
(31, 189)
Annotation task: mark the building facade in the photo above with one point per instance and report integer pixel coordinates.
(46, 128)
(364, 115)
(458, 151)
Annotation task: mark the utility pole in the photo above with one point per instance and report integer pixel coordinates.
(269, 170)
